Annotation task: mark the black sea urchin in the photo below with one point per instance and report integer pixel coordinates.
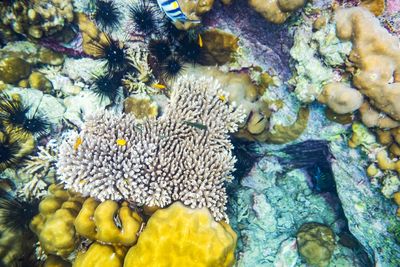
(106, 85)
(107, 15)
(15, 214)
(18, 117)
(171, 68)
(160, 49)
(112, 51)
(8, 151)
(145, 17)
(190, 50)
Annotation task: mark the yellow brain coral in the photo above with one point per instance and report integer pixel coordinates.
(97, 221)
(99, 255)
(54, 225)
(180, 236)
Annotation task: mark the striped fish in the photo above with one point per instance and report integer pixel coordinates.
(173, 11)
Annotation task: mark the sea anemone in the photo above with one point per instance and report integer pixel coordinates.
(112, 51)
(9, 150)
(107, 85)
(145, 17)
(17, 117)
(171, 68)
(160, 49)
(15, 214)
(107, 15)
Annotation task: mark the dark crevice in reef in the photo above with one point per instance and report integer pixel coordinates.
(314, 156)
(269, 43)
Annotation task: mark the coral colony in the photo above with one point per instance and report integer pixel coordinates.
(199, 133)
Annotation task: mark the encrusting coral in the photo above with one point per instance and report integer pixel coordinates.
(37, 18)
(375, 56)
(341, 98)
(276, 11)
(183, 155)
(180, 236)
(54, 225)
(97, 221)
(316, 243)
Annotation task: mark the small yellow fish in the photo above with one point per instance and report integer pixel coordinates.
(200, 41)
(121, 142)
(159, 86)
(78, 142)
(222, 98)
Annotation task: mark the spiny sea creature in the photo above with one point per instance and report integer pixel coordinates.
(107, 85)
(160, 49)
(8, 151)
(113, 51)
(107, 15)
(171, 68)
(145, 17)
(15, 214)
(16, 116)
(190, 49)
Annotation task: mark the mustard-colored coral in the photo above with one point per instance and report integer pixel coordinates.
(341, 98)
(13, 69)
(141, 106)
(96, 221)
(55, 261)
(218, 47)
(180, 236)
(276, 11)
(99, 255)
(54, 225)
(193, 9)
(375, 57)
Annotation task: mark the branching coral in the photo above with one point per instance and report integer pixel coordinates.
(184, 155)
(138, 82)
(38, 167)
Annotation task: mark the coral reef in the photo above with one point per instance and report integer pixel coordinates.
(316, 243)
(276, 11)
(54, 225)
(38, 18)
(101, 255)
(341, 98)
(198, 240)
(141, 106)
(193, 11)
(377, 65)
(126, 150)
(97, 221)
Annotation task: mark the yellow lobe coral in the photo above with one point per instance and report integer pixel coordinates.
(54, 225)
(96, 221)
(181, 236)
(99, 255)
